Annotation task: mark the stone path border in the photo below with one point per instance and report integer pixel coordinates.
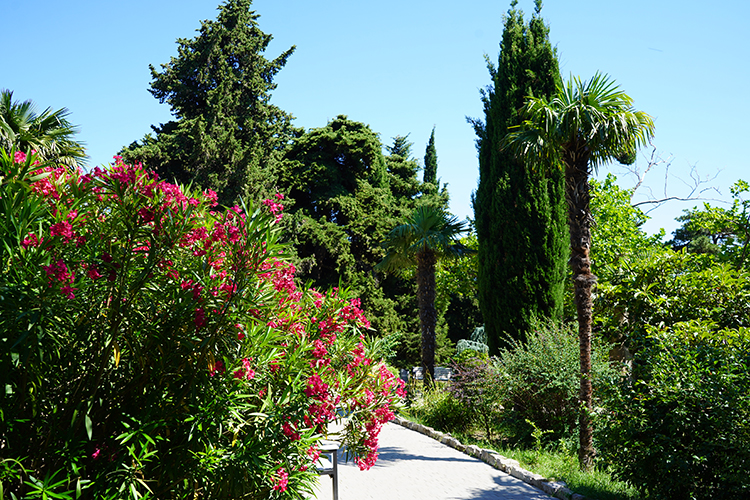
(557, 489)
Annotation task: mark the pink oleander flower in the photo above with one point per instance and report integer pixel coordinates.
(290, 431)
(217, 368)
(211, 197)
(31, 241)
(316, 387)
(274, 207)
(59, 271)
(63, 229)
(320, 350)
(281, 481)
(93, 272)
(313, 453)
(146, 214)
(245, 372)
(367, 462)
(241, 332)
(200, 317)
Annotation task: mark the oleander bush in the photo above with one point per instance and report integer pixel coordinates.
(154, 345)
(678, 427)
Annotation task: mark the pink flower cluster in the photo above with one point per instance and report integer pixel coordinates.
(275, 207)
(32, 241)
(313, 334)
(245, 371)
(62, 229)
(58, 271)
(290, 431)
(281, 275)
(19, 157)
(281, 480)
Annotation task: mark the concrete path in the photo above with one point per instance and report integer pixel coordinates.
(415, 467)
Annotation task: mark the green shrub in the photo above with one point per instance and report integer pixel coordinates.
(440, 410)
(540, 382)
(680, 427)
(665, 287)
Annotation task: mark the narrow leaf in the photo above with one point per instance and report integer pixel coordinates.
(89, 426)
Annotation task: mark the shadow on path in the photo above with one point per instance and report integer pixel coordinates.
(389, 455)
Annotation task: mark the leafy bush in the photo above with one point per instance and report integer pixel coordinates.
(668, 287)
(540, 382)
(153, 346)
(440, 410)
(680, 428)
(476, 385)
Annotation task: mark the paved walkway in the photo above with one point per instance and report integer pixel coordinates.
(415, 467)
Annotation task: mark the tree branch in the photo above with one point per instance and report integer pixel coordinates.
(697, 184)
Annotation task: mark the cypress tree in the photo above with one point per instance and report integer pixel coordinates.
(519, 213)
(226, 135)
(430, 161)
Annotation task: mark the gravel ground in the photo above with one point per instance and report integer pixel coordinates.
(412, 466)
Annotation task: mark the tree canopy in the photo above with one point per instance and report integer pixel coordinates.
(722, 232)
(430, 161)
(344, 196)
(226, 135)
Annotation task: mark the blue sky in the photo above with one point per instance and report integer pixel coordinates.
(403, 67)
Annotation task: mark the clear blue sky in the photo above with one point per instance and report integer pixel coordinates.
(403, 67)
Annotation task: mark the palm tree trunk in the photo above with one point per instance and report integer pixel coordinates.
(579, 218)
(426, 260)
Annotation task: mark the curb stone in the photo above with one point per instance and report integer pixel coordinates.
(556, 489)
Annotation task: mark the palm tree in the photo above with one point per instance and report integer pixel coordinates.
(49, 133)
(584, 125)
(427, 235)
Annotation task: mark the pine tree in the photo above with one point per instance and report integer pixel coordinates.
(520, 213)
(226, 135)
(402, 174)
(430, 161)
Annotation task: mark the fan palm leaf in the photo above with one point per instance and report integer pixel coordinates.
(50, 133)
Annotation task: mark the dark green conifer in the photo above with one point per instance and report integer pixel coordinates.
(520, 213)
(340, 208)
(430, 161)
(226, 135)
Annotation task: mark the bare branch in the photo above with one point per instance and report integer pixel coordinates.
(698, 186)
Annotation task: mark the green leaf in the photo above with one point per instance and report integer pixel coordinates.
(89, 426)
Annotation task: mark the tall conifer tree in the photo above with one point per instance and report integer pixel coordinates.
(226, 135)
(430, 161)
(519, 212)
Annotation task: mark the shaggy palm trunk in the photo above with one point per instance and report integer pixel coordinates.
(576, 160)
(426, 260)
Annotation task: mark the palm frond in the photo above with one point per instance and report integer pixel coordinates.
(50, 133)
(427, 229)
(596, 113)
